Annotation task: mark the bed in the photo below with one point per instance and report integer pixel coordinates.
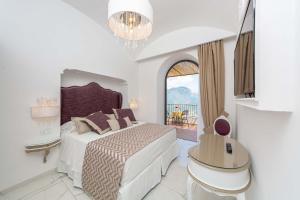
(142, 170)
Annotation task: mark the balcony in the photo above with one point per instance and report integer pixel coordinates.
(184, 118)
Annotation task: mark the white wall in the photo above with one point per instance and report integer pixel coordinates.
(80, 78)
(272, 138)
(152, 82)
(39, 39)
(182, 39)
(275, 54)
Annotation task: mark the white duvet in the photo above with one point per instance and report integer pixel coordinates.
(73, 150)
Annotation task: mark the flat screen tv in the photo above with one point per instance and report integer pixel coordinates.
(244, 65)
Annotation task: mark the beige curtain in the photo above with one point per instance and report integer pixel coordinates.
(212, 83)
(243, 70)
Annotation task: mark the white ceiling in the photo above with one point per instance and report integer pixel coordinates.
(171, 15)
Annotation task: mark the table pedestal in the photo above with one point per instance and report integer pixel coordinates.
(221, 182)
(194, 186)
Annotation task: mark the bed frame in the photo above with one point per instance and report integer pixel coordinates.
(80, 101)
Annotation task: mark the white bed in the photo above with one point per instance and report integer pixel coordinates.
(142, 171)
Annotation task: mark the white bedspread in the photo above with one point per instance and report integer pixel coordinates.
(73, 150)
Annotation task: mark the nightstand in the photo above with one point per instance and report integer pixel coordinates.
(43, 143)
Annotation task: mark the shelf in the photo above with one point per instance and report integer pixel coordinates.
(254, 103)
(42, 140)
(42, 143)
(248, 102)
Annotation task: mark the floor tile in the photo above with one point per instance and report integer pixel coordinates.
(68, 182)
(58, 176)
(55, 191)
(202, 194)
(186, 134)
(2, 197)
(67, 196)
(26, 189)
(83, 196)
(176, 178)
(160, 192)
(183, 153)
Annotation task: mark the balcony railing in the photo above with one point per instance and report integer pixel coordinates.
(191, 108)
(189, 118)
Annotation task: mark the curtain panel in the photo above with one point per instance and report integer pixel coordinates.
(212, 82)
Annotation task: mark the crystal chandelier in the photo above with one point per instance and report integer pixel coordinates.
(130, 20)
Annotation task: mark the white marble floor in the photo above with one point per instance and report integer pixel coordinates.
(57, 186)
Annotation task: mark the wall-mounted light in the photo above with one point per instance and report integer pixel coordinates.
(45, 108)
(133, 104)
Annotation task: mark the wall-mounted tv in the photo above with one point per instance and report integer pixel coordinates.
(244, 65)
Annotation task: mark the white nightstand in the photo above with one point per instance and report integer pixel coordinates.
(42, 143)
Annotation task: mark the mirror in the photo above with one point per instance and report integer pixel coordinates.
(244, 65)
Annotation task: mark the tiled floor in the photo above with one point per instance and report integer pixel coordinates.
(186, 134)
(185, 126)
(56, 186)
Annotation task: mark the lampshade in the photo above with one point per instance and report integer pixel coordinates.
(130, 19)
(46, 107)
(133, 104)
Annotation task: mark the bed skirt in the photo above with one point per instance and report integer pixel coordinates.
(143, 182)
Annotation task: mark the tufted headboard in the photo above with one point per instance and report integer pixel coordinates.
(80, 101)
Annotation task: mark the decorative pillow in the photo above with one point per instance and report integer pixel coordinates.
(126, 112)
(98, 121)
(81, 126)
(111, 116)
(117, 124)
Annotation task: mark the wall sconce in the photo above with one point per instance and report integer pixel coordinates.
(133, 104)
(46, 108)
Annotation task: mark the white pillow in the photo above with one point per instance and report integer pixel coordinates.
(67, 127)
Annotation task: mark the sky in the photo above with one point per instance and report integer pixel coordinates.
(189, 81)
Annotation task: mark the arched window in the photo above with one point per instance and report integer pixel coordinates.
(182, 97)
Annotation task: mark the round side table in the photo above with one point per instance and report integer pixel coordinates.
(211, 167)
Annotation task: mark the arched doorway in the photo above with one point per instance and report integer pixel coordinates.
(182, 98)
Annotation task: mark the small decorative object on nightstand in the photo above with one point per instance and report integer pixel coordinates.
(42, 143)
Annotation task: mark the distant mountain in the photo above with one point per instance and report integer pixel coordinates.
(181, 95)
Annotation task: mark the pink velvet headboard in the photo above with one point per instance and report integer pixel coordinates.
(80, 101)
